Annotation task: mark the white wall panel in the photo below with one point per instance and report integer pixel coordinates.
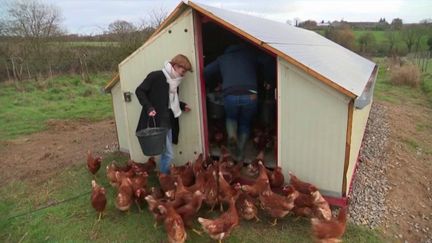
(177, 38)
(312, 127)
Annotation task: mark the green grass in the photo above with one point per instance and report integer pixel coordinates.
(63, 97)
(379, 35)
(71, 217)
(400, 94)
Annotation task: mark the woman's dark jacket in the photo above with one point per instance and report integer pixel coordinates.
(153, 93)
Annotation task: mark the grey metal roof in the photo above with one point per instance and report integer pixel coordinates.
(334, 62)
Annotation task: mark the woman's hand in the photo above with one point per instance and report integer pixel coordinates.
(187, 108)
(152, 112)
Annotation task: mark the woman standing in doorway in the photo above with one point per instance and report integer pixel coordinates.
(158, 95)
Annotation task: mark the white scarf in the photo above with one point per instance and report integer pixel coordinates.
(173, 79)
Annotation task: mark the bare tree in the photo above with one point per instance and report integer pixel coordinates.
(157, 16)
(121, 28)
(33, 19)
(29, 24)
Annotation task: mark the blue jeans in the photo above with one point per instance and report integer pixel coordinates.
(239, 112)
(167, 155)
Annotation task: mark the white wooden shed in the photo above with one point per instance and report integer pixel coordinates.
(324, 93)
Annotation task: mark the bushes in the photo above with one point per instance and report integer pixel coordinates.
(408, 74)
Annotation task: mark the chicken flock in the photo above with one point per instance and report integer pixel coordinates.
(223, 183)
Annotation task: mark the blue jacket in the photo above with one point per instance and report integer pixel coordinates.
(238, 69)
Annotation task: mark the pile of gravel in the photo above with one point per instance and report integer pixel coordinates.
(370, 185)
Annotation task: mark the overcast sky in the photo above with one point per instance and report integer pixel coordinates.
(93, 16)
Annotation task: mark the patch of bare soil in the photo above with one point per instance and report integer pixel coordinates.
(409, 172)
(39, 156)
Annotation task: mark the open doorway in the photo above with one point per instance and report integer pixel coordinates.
(262, 137)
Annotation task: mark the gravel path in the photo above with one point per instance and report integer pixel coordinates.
(367, 202)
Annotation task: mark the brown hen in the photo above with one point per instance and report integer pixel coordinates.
(190, 209)
(147, 167)
(125, 195)
(330, 230)
(197, 166)
(274, 204)
(246, 207)
(93, 163)
(166, 181)
(211, 187)
(221, 227)
(98, 198)
(301, 186)
(185, 172)
(173, 223)
(260, 183)
(276, 177)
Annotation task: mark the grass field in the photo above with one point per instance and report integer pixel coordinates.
(59, 209)
(63, 97)
(67, 215)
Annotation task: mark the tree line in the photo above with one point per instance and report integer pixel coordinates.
(398, 39)
(35, 46)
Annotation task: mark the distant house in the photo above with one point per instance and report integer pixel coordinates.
(323, 23)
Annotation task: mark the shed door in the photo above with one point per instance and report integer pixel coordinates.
(312, 127)
(178, 37)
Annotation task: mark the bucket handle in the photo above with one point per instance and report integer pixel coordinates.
(154, 122)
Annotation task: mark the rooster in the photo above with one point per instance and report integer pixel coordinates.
(93, 163)
(330, 230)
(98, 198)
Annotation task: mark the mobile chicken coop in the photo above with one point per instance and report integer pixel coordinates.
(323, 92)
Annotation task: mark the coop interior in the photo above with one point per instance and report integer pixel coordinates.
(263, 135)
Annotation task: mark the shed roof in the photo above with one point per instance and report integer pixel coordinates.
(327, 61)
(331, 63)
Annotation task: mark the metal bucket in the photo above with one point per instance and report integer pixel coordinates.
(152, 140)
